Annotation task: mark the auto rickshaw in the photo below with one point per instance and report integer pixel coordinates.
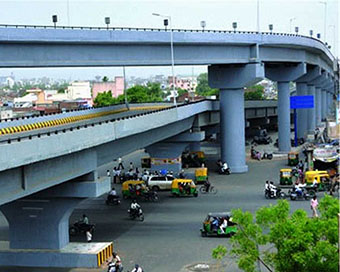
(212, 225)
(293, 158)
(183, 187)
(201, 175)
(286, 177)
(193, 159)
(322, 179)
(133, 188)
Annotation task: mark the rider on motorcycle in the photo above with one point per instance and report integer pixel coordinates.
(207, 185)
(137, 269)
(116, 263)
(135, 207)
(272, 188)
(112, 195)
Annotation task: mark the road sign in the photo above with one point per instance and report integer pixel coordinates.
(302, 102)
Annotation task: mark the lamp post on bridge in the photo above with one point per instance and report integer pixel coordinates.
(290, 24)
(174, 93)
(55, 20)
(271, 28)
(203, 24)
(107, 22)
(234, 26)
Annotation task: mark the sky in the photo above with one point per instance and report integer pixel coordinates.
(218, 14)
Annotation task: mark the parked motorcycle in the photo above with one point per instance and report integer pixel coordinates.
(256, 155)
(294, 195)
(80, 227)
(267, 156)
(223, 171)
(136, 213)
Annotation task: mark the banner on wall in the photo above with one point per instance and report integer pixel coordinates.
(157, 161)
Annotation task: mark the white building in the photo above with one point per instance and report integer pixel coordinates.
(79, 90)
(6, 113)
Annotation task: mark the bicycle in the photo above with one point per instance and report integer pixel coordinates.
(212, 190)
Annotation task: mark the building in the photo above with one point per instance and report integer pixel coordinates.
(116, 87)
(79, 90)
(188, 84)
(6, 113)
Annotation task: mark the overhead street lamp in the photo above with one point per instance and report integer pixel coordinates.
(203, 24)
(318, 36)
(234, 26)
(297, 30)
(311, 33)
(290, 24)
(174, 93)
(166, 23)
(107, 22)
(271, 28)
(55, 20)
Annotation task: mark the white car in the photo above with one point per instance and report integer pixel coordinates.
(157, 183)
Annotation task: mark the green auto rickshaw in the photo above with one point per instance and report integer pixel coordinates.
(183, 187)
(218, 224)
(286, 177)
(293, 158)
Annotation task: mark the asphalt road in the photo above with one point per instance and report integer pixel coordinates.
(169, 238)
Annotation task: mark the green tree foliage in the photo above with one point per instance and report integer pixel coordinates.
(254, 92)
(286, 242)
(136, 94)
(105, 79)
(203, 88)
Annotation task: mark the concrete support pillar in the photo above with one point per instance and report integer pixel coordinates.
(39, 223)
(166, 156)
(283, 74)
(311, 112)
(283, 114)
(318, 103)
(324, 105)
(232, 120)
(195, 146)
(231, 80)
(301, 89)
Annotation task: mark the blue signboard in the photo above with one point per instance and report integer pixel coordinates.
(302, 102)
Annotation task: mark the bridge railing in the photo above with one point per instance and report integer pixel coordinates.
(64, 127)
(161, 30)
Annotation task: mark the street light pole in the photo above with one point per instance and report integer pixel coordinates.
(172, 55)
(325, 19)
(258, 16)
(290, 24)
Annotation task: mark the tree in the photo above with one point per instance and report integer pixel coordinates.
(104, 99)
(105, 79)
(254, 92)
(288, 242)
(203, 87)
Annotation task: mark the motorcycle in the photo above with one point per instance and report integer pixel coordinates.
(223, 171)
(112, 267)
(269, 194)
(267, 156)
(136, 213)
(294, 195)
(80, 227)
(112, 200)
(150, 196)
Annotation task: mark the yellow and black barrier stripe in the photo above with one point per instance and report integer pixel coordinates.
(72, 119)
(105, 254)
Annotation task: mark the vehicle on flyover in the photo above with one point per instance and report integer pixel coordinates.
(183, 187)
(218, 224)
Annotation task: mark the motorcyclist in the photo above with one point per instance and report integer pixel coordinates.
(85, 220)
(117, 263)
(272, 188)
(266, 187)
(225, 168)
(135, 207)
(112, 194)
(137, 269)
(181, 174)
(298, 188)
(207, 185)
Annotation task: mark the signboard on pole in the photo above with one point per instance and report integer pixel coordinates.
(302, 102)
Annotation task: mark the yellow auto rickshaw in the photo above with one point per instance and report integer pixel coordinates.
(309, 175)
(286, 177)
(293, 158)
(133, 188)
(201, 175)
(183, 187)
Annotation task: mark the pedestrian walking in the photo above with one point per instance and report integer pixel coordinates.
(88, 236)
(108, 174)
(314, 205)
(120, 164)
(131, 166)
(114, 174)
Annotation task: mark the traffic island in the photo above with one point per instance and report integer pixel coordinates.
(90, 255)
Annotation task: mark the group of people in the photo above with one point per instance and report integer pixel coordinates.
(271, 188)
(184, 188)
(221, 223)
(115, 265)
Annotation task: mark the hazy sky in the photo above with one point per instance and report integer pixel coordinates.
(306, 14)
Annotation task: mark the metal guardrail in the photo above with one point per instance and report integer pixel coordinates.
(161, 30)
(71, 124)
